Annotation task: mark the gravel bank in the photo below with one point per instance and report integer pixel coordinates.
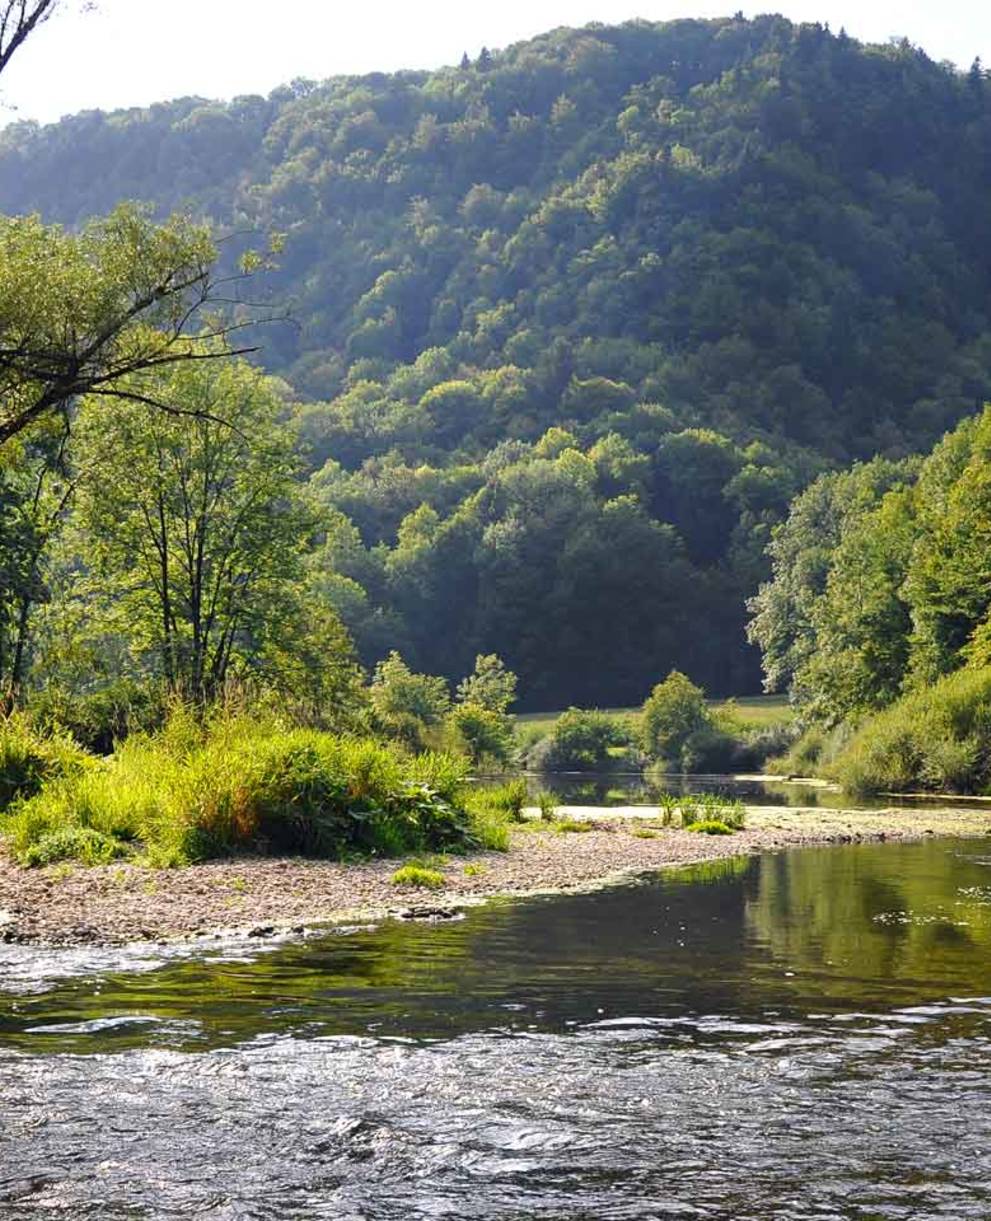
(115, 904)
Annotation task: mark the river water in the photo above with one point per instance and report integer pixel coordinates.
(802, 1036)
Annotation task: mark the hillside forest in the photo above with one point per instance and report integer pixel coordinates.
(623, 351)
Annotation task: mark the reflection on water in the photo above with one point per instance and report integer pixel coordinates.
(798, 1036)
(635, 788)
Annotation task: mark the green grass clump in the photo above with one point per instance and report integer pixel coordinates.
(691, 810)
(193, 792)
(571, 825)
(936, 740)
(29, 758)
(70, 843)
(711, 826)
(644, 833)
(419, 876)
(493, 810)
(547, 804)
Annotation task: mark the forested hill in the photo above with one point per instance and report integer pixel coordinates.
(712, 257)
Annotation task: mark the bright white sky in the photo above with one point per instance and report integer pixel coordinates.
(133, 52)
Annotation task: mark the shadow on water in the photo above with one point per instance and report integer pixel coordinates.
(802, 1035)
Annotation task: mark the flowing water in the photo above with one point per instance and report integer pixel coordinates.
(796, 1036)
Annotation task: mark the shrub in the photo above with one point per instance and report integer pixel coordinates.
(711, 826)
(29, 758)
(481, 733)
(937, 739)
(419, 876)
(99, 719)
(674, 713)
(580, 740)
(192, 792)
(408, 705)
(490, 685)
(74, 843)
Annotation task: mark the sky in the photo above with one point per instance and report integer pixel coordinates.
(134, 52)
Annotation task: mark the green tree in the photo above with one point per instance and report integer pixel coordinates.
(490, 685)
(88, 313)
(407, 704)
(35, 489)
(192, 528)
(674, 711)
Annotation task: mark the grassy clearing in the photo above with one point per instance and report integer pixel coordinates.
(194, 792)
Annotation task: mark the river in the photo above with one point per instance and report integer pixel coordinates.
(802, 1036)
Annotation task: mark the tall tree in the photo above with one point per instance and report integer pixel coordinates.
(193, 527)
(90, 313)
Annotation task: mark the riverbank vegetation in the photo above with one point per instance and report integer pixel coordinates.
(198, 790)
(877, 619)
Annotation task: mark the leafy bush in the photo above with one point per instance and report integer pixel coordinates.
(408, 705)
(580, 740)
(483, 734)
(99, 719)
(419, 876)
(675, 717)
(937, 740)
(29, 758)
(73, 843)
(190, 793)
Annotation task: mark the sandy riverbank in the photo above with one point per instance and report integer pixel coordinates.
(115, 904)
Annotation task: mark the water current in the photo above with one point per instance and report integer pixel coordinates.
(798, 1036)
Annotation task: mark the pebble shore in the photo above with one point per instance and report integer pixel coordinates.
(263, 896)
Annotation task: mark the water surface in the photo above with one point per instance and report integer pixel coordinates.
(803, 1035)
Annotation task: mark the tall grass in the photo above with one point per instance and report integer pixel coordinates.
(29, 759)
(936, 740)
(192, 792)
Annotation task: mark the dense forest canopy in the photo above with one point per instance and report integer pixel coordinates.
(572, 324)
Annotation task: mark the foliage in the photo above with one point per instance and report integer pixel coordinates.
(586, 316)
(418, 876)
(408, 704)
(547, 804)
(237, 784)
(507, 799)
(30, 759)
(711, 826)
(490, 685)
(580, 740)
(89, 311)
(674, 719)
(483, 734)
(190, 527)
(573, 826)
(936, 739)
(894, 592)
(695, 810)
